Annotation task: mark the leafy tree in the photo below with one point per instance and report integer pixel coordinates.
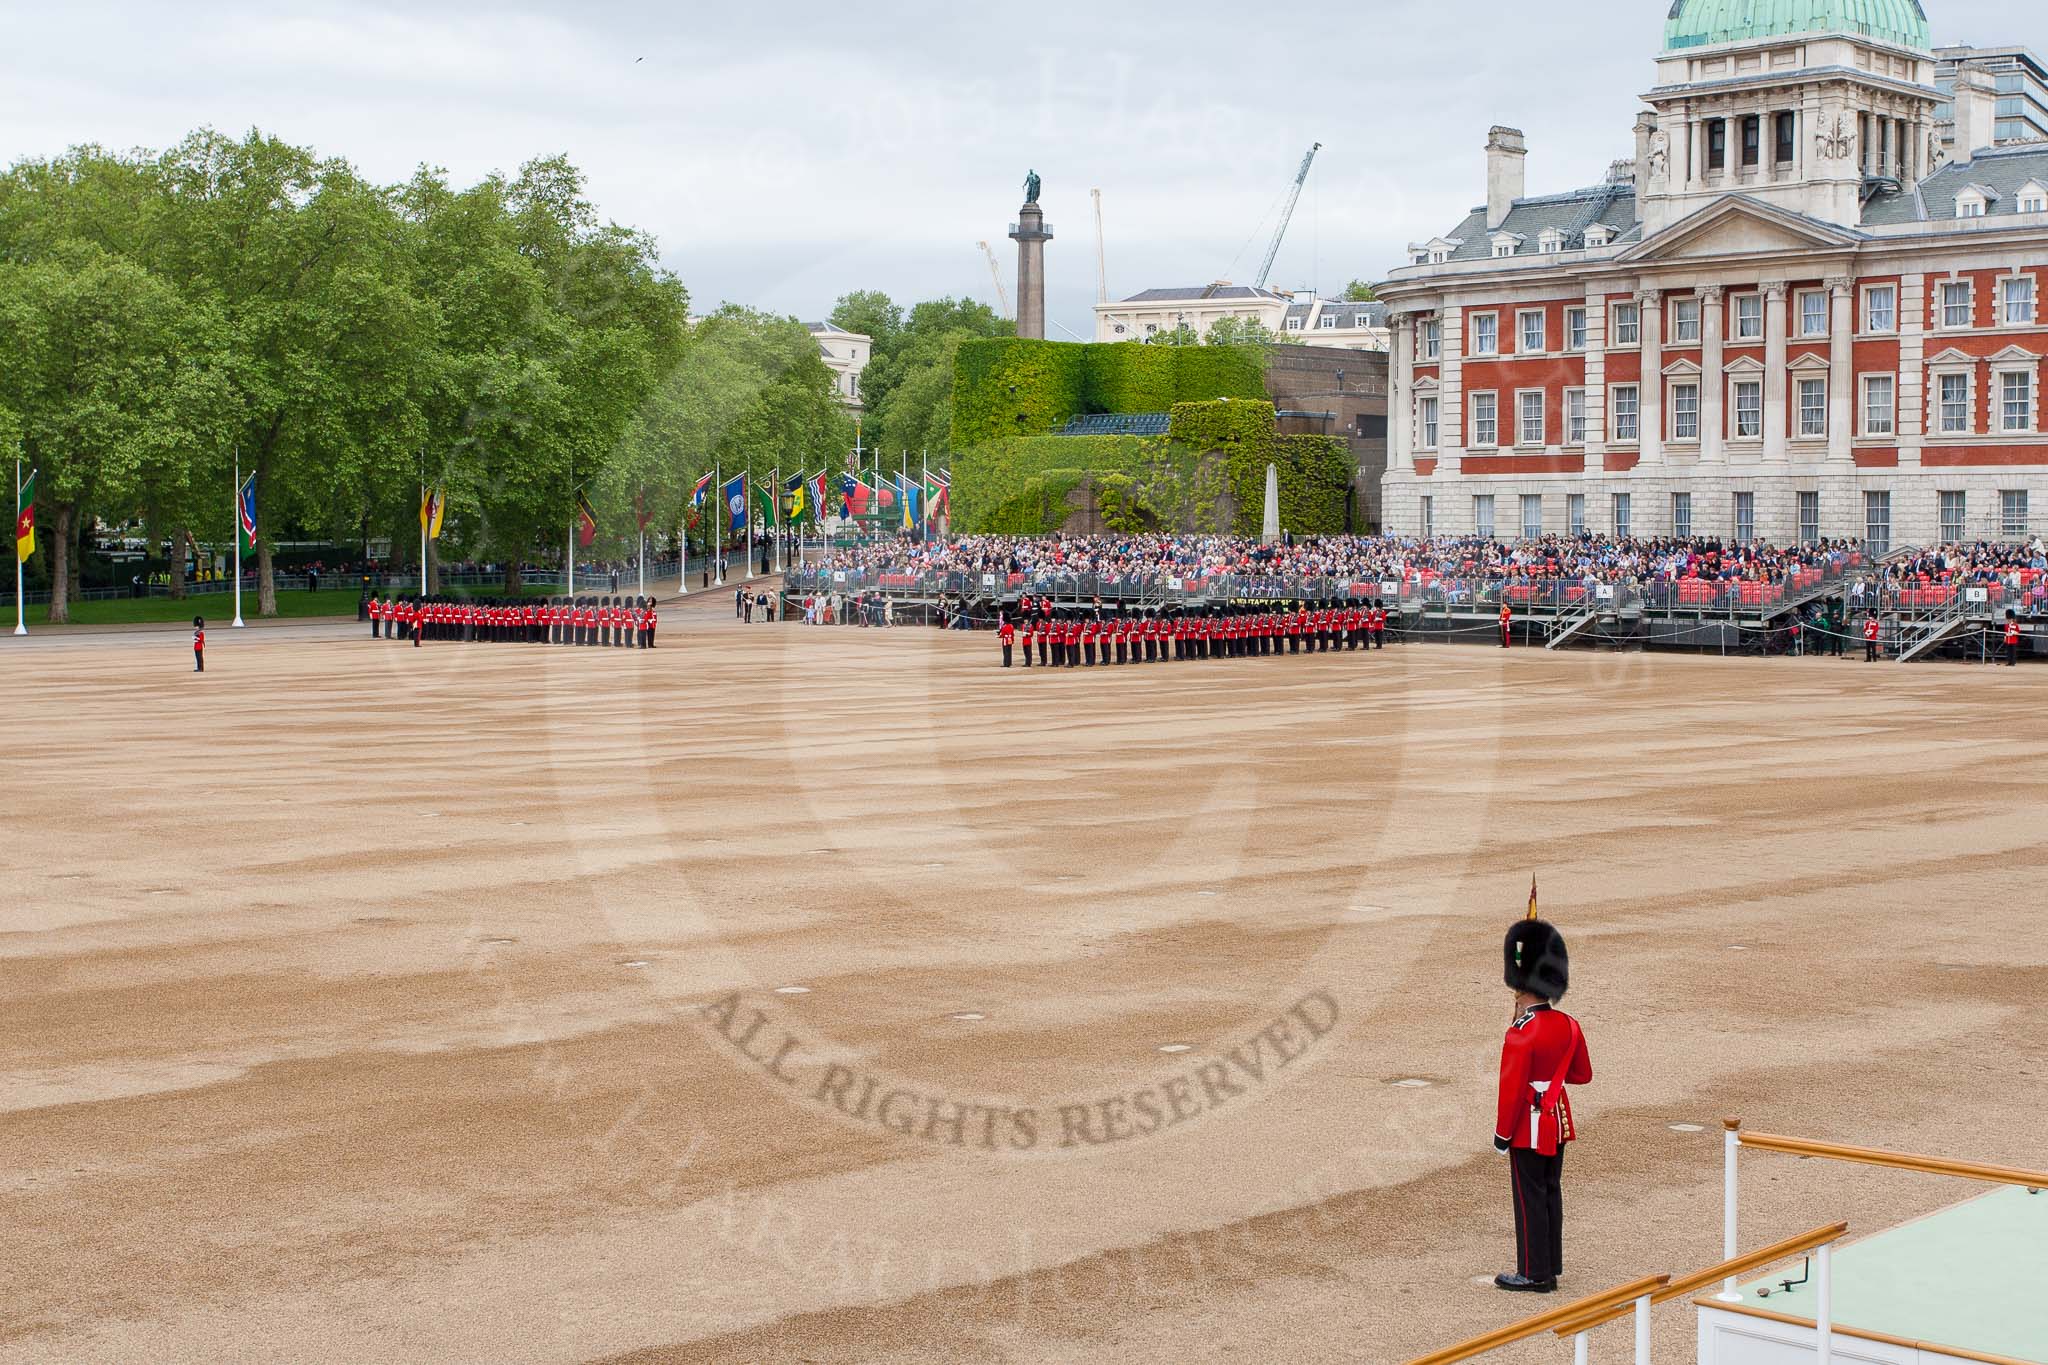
(1240, 332)
(908, 388)
(1182, 335)
(1358, 291)
(872, 314)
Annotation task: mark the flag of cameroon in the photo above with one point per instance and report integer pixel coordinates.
(25, 519)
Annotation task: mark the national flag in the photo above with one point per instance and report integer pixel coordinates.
(586, 521)
(934, 493)
(910, 501)
(25, 519)
(817, 495)
(735, 494)
(432, 506)
(1532, 895)
(764, 499)
(245, 513)
(795, 485)
(697, 493)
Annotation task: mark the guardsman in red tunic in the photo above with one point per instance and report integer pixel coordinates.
(1379, 624)
(1545, 1051)
(2012, 638)
(376, 616)
(1870, 629)
(199, 644)
(1507, 623)
(1007, 634)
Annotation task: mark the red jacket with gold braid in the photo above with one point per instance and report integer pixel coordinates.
(1544, 1048)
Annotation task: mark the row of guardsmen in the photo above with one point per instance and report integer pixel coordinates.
(1087, 637)
(607, 622)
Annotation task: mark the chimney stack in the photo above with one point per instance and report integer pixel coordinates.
(1976, 110)
(1505, 177)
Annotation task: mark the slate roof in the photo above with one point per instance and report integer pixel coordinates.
(2001, 170)
(1347, 314)
(1613, 203)
(1203, 293)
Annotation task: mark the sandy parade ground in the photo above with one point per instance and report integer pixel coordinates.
(792, 993)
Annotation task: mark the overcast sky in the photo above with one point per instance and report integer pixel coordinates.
(784, 153)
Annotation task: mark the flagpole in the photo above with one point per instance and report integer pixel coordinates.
(718, 541)
(775, 513)
(424, 518)
(643, 561)
(747, 512)
(569, 563)
(237, 529)
(20, 602)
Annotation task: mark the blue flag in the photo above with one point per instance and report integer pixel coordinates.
(735, 493)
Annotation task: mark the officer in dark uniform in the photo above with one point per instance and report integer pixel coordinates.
(1545, 1051)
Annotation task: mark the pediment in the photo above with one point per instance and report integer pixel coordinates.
(1739, 226)
(2014, 354)
(1952, 356)
(1747, 364)
(1809, 361)
(1681, 367)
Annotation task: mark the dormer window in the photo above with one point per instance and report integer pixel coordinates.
(1505, 243)
(1599, 235)
(1438, 256)
(1550, 241)
(2033, 197)
(1972, 202)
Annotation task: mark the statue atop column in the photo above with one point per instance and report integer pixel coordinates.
(1030, 234)
(1031, 187)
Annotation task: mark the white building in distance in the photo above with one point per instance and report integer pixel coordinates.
(846, 355)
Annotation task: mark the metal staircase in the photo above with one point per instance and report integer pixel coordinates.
(1565, 625)
(1923, 633)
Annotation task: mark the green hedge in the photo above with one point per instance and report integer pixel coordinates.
(1005, 387)
(1142, 483)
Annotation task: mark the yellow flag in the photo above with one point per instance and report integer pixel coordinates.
(432, 505)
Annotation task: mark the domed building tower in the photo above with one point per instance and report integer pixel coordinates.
(1810, 104)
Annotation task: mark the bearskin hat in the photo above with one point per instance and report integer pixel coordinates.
(1535, 960)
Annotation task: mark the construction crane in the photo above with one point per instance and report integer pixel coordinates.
(1287, 214)
(995, 272)
(1101, 269)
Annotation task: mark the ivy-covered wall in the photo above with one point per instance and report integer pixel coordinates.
(1005, 387)
(1208, 474)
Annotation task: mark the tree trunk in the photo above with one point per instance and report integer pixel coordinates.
(180, 538)
(61, 540)
(512, 577)
(266, 578)
(81, 544)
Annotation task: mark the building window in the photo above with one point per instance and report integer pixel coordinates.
(1685, 320)
(1432, 339)
(1745, 517)
(1881, 308)
(1438, 256)
(1813, 314)
(1482, 515)
(1681, 515)
(1809, 518)
(1625, 406)
(1503, 246)
(1749, 317)
(1428, 517)
(1955, 303)
(2034, 202)
(1877, 404)
(1431, 407)
(1550, 241)
(1787, 137)
(2016, 400)
(1532, 516)
(1717, 144)
(1621, 516)
(1953, 516)
(1955, 404)
(1877, 523)
(1531, 331)
(1485, 334)
(1749, 409)
(1575, 513)
(1969, 206)
(1752, 140)
(1327, 320)
(1485, 420)
(1575, 329)
(1529, 430)
(1294, 324)
(1574, 417)
(2018, 295)
(2012, 513)
(1685, 412)
(1813, 408)
(1628, 324)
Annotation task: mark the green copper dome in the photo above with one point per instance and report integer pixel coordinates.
(1696, 23)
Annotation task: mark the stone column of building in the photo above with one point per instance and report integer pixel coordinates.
(1030, 234)
(1450, 393)
(1912, 320)
(1776, 379)
(1650, 391)
(1401, 401)
(1712, 386)
(1841, 368)
(1596, 378)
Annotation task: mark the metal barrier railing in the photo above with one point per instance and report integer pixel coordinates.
(1734, 1140)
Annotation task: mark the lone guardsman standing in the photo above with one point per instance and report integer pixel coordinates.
(199, 644)
(2012, 638)
(1007, 633)
(1507, 624)
(1544, 1052)
(1870, 630)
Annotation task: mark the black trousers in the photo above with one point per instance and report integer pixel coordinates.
(2012, 655)
(1870, 651)
(1088, 647)
(198, 661)
(1537, 1182)
(1006, 656)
